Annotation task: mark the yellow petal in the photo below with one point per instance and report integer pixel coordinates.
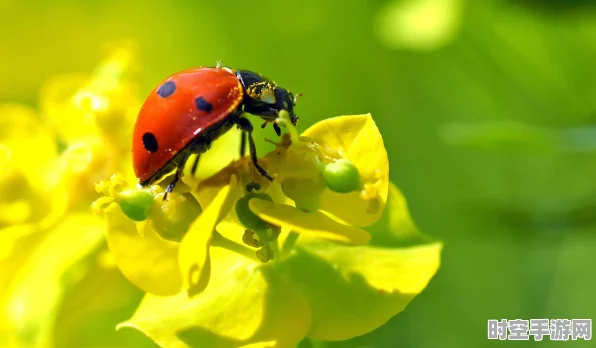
(354, 290)
(244, 303)
(231, 228)
(36, 291)
(32, 146)
(194, 258)
(102, 104)
(79, 168)
(291, 163)
(16, 242)
(148, 261)
(72, 122)
(94, 306)
(315, 223)
(267, 344)
(358, 139)
(17, 198)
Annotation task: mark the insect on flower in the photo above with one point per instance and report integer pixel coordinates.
(192, 108)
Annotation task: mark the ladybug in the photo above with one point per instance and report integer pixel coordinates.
(187, 111)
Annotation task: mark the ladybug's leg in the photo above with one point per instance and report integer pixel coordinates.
(170, 187)
(195, 164)
(246, 126)
(242, 144)
(177, 176)
(266, 112)
(277, 129)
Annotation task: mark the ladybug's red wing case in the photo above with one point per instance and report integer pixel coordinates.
(179, 109)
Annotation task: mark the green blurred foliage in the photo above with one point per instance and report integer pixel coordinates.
(515, 205)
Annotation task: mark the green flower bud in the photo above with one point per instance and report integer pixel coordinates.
(135, 203)
(246, 216)
(172, 217)
(342, 176)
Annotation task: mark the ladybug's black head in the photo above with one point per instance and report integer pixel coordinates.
(265, 98)
(285, 101)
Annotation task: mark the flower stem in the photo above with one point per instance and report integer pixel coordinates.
(222, 242)
(275, 248)
(284, 120)
(289, 243)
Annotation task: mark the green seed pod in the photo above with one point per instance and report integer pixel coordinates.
(173, 216)
(135, 203)
(342, 176)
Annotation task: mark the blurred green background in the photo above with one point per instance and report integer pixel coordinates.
(487, 108)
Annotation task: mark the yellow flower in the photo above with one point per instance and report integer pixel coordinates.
(236, 260)
(26, 152)
(51, 160)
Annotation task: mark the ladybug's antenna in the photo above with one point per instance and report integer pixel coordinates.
(296, 97)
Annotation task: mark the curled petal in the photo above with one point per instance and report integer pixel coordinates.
(315, 223)
(194, 258)
(146, 260)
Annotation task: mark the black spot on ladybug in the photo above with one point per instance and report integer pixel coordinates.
(167, 89)
(149, 142)
(203, 105)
